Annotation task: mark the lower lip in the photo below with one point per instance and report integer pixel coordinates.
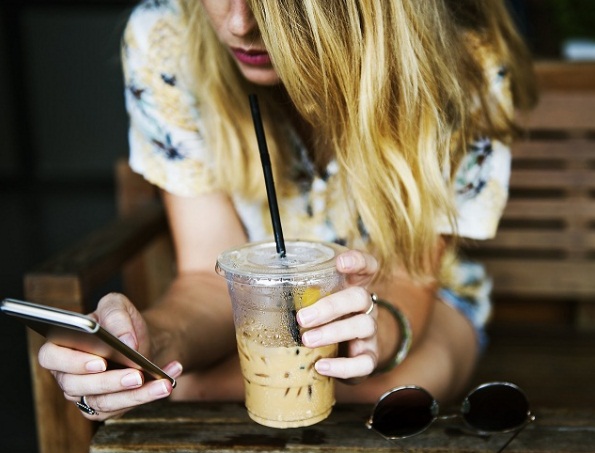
(252, 59)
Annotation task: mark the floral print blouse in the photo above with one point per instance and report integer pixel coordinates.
(167, 148)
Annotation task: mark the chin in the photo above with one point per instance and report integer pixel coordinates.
(265, 77)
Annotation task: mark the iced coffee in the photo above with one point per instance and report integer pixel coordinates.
(282, 387)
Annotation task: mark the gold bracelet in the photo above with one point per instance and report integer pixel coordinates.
(406, 335)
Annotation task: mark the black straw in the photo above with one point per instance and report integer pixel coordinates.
(268, 174)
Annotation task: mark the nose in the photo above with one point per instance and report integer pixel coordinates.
(241, 21)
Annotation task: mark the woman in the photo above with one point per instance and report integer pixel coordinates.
(388, 125)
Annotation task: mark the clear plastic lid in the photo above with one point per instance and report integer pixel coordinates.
(304, 260)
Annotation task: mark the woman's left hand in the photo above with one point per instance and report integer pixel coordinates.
(345, 316)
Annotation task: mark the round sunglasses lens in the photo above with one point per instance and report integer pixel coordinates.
(496, 407)
(404, 412)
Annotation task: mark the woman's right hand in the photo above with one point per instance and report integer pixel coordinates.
(110, 393)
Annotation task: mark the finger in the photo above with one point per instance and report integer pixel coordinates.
(66, 360)
(346, 368)
(348, 301)
(93, 414)
(352, 328)
(174, 369)
(115, 314)
(116, 402)
(360, 267)
(112, 381)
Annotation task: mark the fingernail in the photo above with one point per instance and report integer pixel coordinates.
(322, 366)
(128, 340)
(306, 315)
(131, 380)
(311, 337)
(95, 366)
(347, 261)
(174, 369)
(159, 388)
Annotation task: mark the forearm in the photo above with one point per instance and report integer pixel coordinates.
(451, 346)
(415, 301)
(193, 322)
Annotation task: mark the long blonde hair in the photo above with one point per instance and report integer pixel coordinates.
(389, 86)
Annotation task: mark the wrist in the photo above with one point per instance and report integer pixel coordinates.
(402, 327)
(162, 344)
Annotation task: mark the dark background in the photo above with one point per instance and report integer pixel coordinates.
(63, 125)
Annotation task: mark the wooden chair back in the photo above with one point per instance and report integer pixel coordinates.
(134, 249)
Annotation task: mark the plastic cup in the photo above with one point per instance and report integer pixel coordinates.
(282, 388)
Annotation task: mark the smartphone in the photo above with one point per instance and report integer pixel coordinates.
(76, 331)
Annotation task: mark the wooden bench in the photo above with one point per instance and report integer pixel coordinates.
(541, 261)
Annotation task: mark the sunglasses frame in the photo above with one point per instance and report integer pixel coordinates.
(435, 412)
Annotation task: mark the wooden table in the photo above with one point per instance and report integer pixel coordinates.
(225, 427)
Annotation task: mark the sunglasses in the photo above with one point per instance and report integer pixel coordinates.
(494, 407)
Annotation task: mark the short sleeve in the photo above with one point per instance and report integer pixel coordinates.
(482, 178)
(481, 189)
(166, 145)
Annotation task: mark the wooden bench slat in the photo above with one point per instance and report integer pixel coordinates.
(562, 110)
(556, 179)
(539, 209)
(568, 76)
(533, 239)
(553, 278)
(568, 150)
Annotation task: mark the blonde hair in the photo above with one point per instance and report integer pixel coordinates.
(390, 86)
(222, 95)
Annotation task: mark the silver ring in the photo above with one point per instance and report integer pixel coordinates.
(83, 406)
(374, 298)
